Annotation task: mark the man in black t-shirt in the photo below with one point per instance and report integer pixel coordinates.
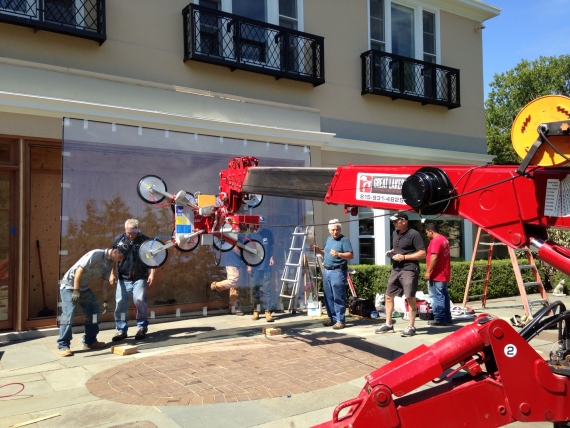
(408, 249)
(131, 277)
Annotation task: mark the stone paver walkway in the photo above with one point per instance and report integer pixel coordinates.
(239, 370)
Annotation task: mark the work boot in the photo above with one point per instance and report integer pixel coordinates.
(255, 315)
(65, 352)
(268, 316)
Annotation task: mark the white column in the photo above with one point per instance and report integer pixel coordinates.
(381, 236)
(468, 239)
(354, 235)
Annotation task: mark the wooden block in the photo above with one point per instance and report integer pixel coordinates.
(124, 350)
(272, 331)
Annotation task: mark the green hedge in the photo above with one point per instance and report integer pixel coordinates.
(371, 279)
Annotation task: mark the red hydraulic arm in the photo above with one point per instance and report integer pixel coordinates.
(514, 208)
(506, 379)
(518, 384)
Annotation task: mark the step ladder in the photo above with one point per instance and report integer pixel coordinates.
(490, 243)
(517, 268)
(292, 276)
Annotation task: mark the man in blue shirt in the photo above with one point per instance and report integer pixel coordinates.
(261, 274)
(336, 253)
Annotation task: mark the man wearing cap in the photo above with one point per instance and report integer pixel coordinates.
(261, 274)
(336, 254)
(131, 276)
(408, 249)
(74, 290)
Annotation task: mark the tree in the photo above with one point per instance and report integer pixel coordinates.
(512, 90)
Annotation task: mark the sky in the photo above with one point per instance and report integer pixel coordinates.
(525, 29)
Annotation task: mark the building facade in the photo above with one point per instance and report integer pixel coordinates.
(96, 94)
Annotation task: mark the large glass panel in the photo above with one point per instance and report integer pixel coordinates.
(102, 166)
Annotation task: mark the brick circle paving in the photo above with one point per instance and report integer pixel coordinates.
(239, 370)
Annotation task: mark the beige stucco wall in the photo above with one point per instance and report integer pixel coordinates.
(145, 42)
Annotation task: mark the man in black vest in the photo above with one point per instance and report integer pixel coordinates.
(131, 276)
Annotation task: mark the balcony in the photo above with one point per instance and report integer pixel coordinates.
(397, 77)
(239, 43)
(79, 18)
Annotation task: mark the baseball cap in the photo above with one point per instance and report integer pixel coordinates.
(124, 248)
(398, 216)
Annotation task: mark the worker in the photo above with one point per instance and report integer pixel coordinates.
(74, 290)
(408, 249)
(336, 253)
(131, 277)
(438, 273)
(261, 274)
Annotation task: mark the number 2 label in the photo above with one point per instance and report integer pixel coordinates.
(510, 350)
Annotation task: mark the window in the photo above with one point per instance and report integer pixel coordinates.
(209, 32)
(410, 32)
(366, 236)
(403, 30)
(377, 25)
(288, 14)
(429, 36)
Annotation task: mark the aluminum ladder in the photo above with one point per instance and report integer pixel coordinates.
(293, 269)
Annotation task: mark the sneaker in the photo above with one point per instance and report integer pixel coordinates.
(65, 352)
(328, 323)
(338, 326)
(119, 336)
(385, 329)
(437, 324)
(409, 331)
(95, 345)
(141, 333)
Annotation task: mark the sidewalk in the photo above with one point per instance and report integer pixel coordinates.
(214, 371)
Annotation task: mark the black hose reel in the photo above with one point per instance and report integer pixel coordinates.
(424, 189)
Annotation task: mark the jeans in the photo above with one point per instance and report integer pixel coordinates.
(90, 307)
(334, 286)
(440, 301)
(262, 287)
(138, 289)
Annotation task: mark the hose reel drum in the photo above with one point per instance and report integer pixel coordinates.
(427, 190)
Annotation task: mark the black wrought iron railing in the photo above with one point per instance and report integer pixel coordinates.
(397, 76)
(236, 42)
(79, 18)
